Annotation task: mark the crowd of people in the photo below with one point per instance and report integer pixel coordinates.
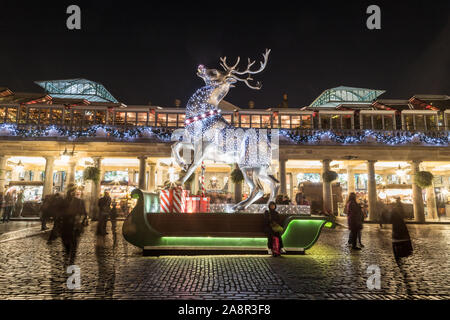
(11, 203)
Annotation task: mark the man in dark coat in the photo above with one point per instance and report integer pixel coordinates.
(354, 218)
(104, 204)
(401, 242)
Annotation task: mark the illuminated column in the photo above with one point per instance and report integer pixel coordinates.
(70, 177)
(283, 188)
(96, 189)
(142, 165)
(48, 177)
(152, 177)
(419, 214)
(2, 172)
(431, 203)
(372, 190)
(327, 196)
(350, 179)
(291, 187)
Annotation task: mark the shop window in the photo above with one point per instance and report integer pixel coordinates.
(325, 121)
(366, 121)
(100, 117)
(285, 122)
(2, 114)
(77, 118)
(295, 122)
(172, 120)
(162, 120)
(420, 122)
(11, 115)
(56, 115)
(306, 122)
(181, 119)
(131, 118)
(151, 119)
(120, 119)
(256, 121)
(245, 121)
(378, 122)
(142, 118)
(276, 119)
(408, 122)
(347, 121)
(430, 122)
(265, 120)
(44, 116)
(388, 122)
(67, 117)
(89, 116)
(33, 115)
(22, 115)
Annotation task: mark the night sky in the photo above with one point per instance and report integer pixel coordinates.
(146, 51)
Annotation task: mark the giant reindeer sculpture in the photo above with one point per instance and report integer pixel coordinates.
(210, 136)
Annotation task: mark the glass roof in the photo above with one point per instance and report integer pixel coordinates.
(77, 89)
(346, 95)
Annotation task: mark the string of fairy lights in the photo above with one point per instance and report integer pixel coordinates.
(293, 136)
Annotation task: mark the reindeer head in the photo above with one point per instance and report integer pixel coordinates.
(230, 75)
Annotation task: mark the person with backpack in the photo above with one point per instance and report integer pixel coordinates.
(273, 229)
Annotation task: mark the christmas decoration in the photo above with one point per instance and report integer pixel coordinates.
(423, 179)
(91, 173)
(237, 176)
(329, 176)
(210, 136)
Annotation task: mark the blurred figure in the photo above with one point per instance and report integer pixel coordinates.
(8, 205)
(286, 200)
(104, 204)
(279, 199)
(354, 218)
(113, 217)
(74, 212)
(18, 206)
(299, 198)
(401, 241)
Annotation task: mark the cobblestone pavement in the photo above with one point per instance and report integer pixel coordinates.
(17, 225)
(32, 269)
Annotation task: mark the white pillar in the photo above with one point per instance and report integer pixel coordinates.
(96, 189)
(372, 190)
(419, 214)
(152, 177)
(48, 177)
(431, 203)
(350, 179)
(142, 165)
(70, 177)
(327, 196)
(2, 172)
(283, 188)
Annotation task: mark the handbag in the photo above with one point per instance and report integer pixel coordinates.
(276, 227)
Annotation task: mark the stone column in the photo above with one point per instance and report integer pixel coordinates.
(350, 179)
(419, 214)
(142, 165)
(372, 190)
(70, 177)
(327, 196)
(2, 172)
(282, 167)
(291, 187)
(152, 177)
(431, 203)
(48, 177)
(96, 190)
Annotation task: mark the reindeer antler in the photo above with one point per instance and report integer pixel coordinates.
(226, 67)
(250, 63)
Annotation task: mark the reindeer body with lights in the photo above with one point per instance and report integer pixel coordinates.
(210, 136)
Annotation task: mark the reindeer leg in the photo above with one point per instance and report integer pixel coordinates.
(199, 155)
(256, 189)
(273, 183)
(176, 148)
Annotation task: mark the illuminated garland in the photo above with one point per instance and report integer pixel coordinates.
(96, 131)
(297, 137)
(367, 136)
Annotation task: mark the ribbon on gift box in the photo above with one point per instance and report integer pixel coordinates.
(173, 198)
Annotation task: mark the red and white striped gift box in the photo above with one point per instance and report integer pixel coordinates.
(179, 200)
(165, 200)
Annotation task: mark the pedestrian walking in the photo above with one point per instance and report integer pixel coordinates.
(273, 228)
(113, 217)
(104, 204)
(354, 219)
(18, 206)
(401, 241)
(9, 205)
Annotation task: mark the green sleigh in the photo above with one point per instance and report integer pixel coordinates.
(213, 233)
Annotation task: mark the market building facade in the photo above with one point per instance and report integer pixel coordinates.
(375, 145)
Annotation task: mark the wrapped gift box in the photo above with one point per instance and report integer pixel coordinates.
(173, 200)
